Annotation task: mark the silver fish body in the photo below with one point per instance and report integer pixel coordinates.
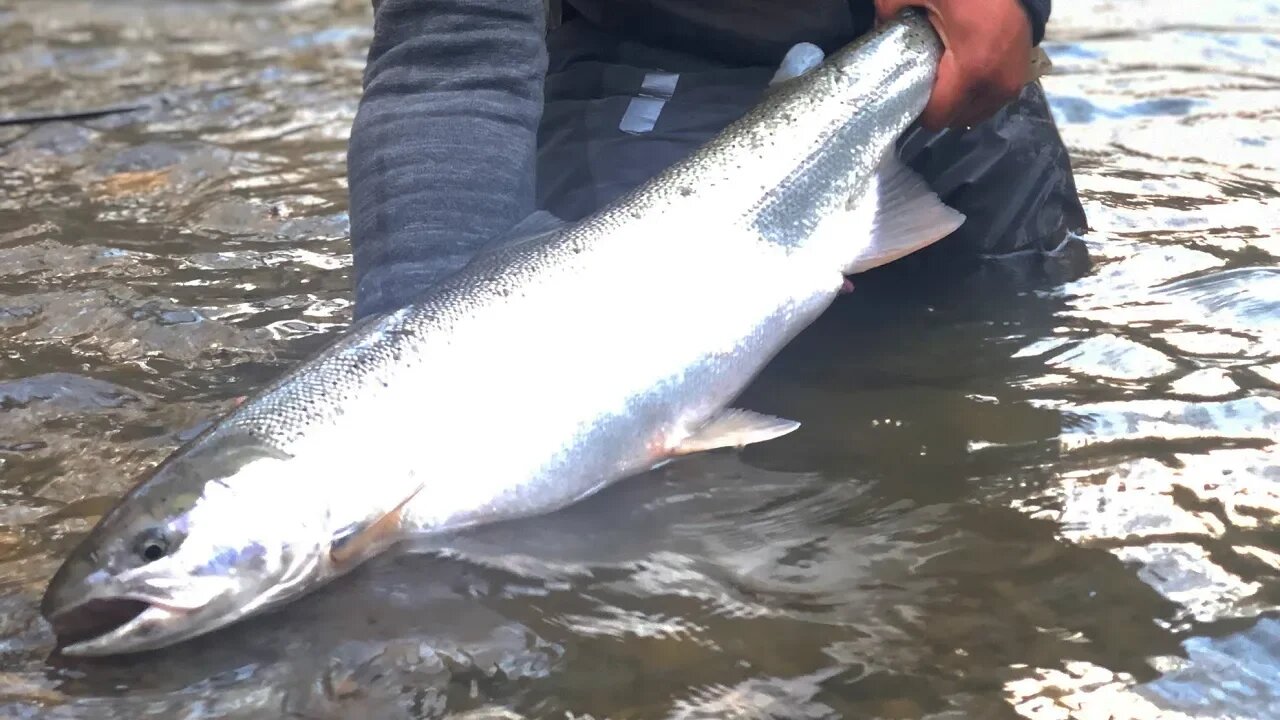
(549, 369)
(539, 374)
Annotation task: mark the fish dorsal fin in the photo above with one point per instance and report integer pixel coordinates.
(735, 428)
(905, 215)
(359, 542)
(800, 59)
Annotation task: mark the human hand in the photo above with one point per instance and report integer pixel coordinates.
(984, 65)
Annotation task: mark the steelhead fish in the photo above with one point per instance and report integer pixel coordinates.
(547, 369)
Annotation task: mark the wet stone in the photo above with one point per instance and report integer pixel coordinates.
(149, 157)
(65, 389)
(53, 139)
(111, 325)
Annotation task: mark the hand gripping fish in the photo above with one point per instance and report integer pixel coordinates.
(550, 367)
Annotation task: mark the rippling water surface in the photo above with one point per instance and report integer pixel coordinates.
(1007, 500)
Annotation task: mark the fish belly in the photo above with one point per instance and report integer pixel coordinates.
(605, 389)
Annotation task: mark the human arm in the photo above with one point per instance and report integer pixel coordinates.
(988, 53)
(442, 150)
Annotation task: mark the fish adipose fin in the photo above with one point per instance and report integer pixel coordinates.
(735, 428)
(905, 215)
(538, 224)
(361, 541)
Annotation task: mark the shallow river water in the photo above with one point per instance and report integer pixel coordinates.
(1007, 500)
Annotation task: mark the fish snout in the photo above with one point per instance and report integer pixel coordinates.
(79, 608)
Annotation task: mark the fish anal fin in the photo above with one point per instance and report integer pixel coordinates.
(360, 542)
(735, 428)
(904, 213)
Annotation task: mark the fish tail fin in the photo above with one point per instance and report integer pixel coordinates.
(905, 215)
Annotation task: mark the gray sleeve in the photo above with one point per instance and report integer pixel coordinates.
(442, 149)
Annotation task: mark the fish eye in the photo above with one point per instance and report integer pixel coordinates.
(152, 544)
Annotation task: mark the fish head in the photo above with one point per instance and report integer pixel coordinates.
(208, 539)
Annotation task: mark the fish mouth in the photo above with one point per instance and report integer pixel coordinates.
(104, 626)
(95, 617)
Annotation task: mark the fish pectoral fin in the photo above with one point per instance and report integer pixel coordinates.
(356, 543)
(735, 428)
(905, 215)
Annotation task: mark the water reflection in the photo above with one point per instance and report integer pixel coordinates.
(1011, 495)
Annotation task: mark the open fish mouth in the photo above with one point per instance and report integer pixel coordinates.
(102, 625)
(95, 618)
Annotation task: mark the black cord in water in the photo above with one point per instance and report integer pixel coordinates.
(43, 117)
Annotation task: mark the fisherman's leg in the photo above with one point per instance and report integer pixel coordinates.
(442, 150)
(1011, 176)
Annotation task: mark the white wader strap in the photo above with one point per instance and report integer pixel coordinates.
(643, 111)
